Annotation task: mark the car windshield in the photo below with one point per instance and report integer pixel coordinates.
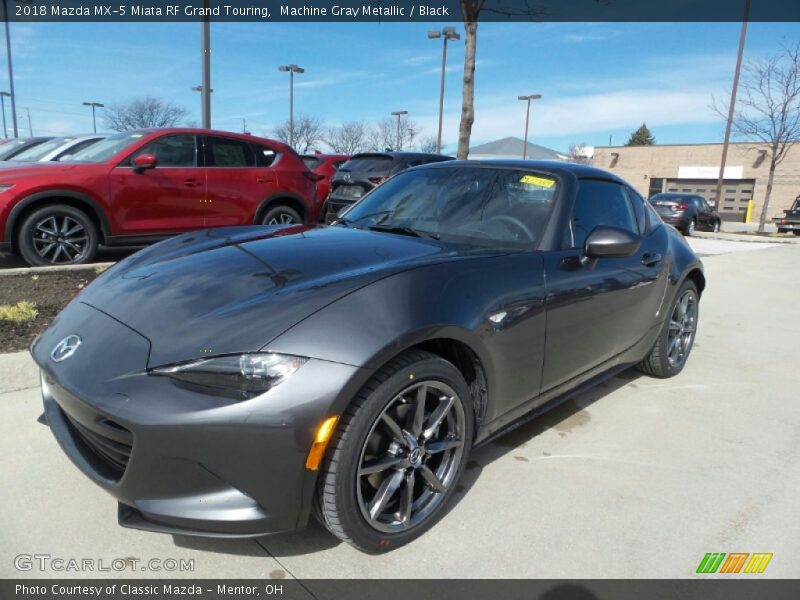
(10, 148)
(41, 150)
(478, 206)
(106, 149)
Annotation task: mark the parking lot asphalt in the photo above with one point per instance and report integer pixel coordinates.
(639, 477)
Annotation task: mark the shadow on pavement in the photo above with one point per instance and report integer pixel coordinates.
(315, 538)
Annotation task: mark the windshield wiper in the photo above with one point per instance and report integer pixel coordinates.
(404, 231)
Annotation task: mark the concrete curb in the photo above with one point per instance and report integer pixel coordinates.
(17, 372)
(739, 237)
(35, 270)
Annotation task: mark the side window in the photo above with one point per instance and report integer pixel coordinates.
(173, 151)
(224, 152)
(265, 157)
(599, 203)
(638, 208)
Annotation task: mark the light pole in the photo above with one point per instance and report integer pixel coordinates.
(94, 105)
(205, 49)
(448, 33)
(732, 106)
(3, 102)
(10, 70)
(399, 114)
(291, 69)
(527, 117)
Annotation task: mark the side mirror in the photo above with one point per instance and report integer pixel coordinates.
(144, 162)
(610, 242)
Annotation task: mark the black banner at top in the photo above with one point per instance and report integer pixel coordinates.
(402, 10)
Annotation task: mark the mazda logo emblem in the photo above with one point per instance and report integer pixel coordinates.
(65, 348)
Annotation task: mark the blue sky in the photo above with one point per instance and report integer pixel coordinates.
(597, 79)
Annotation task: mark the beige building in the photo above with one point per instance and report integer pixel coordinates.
(695, 167)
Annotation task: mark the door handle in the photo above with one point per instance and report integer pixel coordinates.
(191, 183)
(263, 180)
(651, 259)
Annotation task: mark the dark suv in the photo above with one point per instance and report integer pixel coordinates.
(365, 171)
(686, 212)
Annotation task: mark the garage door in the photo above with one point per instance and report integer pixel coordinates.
(736, 193)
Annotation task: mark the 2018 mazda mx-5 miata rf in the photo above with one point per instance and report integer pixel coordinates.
(231, 382)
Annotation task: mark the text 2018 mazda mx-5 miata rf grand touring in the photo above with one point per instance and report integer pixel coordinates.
(231, 382)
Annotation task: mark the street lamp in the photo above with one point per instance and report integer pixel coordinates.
(448, 33)
(291, 69)
(205, 53)
(3, 102)
(399, 115)
(527, 117)
(10, 67)
(94, 106)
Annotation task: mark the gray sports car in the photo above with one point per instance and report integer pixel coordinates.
(231, 382)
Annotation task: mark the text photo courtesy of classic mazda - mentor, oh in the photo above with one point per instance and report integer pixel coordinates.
(240, 381)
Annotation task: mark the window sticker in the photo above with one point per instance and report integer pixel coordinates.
(538, 181)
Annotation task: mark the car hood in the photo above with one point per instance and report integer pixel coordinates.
(234, 290)
(11, 170)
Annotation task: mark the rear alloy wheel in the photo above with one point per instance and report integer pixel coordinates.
(397, 455)
(57, 235)
(690, 228)
(281, 215)
(716, 227)
(674, 343)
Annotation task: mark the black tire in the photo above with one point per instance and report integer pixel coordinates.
(690, 228)
(796, 231)
(716, 227)
(73, 240)
(341, 500)
(660, 361)
(281, 215)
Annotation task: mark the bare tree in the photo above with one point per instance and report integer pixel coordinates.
(768, 109)
(350, 137)
(143, 113)
(427, 144)
(308, 133)
(578, 153)
(385, 134)
(470, 10)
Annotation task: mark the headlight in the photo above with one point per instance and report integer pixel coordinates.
(5, 186)
(238, 376)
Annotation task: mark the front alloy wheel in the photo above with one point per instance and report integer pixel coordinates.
(397, 454)
(57, 235)
(411, 456)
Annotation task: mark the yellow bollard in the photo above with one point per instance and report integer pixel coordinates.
(749, 211)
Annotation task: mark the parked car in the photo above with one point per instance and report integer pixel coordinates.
(325, 165)
(13, 147)
(790, 221)
(59, 148)
(365, 171)
(236, 381)
(137, 187)
(686, 212)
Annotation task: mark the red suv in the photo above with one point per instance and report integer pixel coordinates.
(325, 165)
(141, 186)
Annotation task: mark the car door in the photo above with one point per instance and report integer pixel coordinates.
(705, 214)
(239, 177)
(165, 199)
(597, 311)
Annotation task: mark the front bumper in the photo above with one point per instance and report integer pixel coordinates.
(179, 461)
(787, 226)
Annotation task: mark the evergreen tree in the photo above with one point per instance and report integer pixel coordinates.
(641, 137)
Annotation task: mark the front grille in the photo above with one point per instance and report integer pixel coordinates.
(113, 453)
